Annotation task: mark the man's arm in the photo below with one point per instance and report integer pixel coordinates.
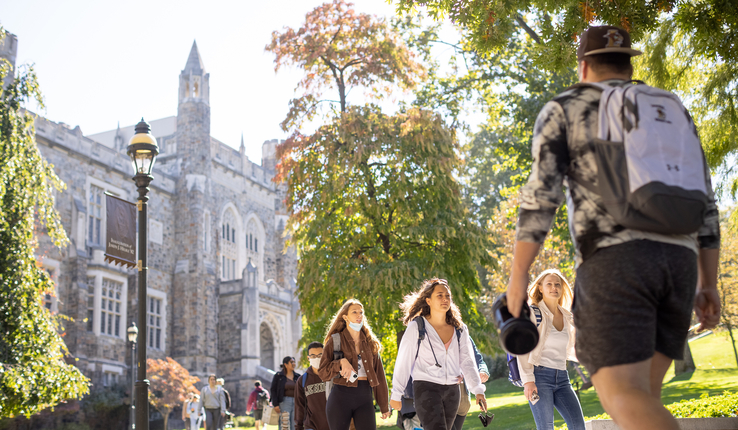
(707, 300)
(517, 290)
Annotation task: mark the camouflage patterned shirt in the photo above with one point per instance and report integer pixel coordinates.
(561, 137)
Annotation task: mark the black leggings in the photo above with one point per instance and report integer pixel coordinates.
(345, 403)
(436, 404)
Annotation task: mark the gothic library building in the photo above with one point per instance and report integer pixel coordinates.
(221, 283)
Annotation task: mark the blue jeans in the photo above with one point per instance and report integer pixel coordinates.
(555, 391)
(287, 414)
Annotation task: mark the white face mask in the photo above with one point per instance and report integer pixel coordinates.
(314, 362)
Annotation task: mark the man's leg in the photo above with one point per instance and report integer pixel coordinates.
(659, 365)
(625, 393)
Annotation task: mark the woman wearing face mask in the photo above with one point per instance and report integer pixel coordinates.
(543, 370)
(356, 376)
(283, 393)
(440, 361)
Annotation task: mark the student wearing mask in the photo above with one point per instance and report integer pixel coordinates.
(311, 396)
(357, 375)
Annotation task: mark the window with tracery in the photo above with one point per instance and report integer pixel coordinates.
(228, 248)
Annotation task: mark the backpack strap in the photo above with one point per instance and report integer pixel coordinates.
(337, 353)
(537, 312)
(420, 321)
(303, 378)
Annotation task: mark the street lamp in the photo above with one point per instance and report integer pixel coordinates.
(143, 151)
(132, 335)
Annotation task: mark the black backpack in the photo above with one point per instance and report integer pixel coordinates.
(227, 399)
(262, 399)
(512, 360)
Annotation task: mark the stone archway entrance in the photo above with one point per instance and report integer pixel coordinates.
(266, 341)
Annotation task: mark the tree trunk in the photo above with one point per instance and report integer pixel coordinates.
(165, 414)
(732, 342)
(686, 365)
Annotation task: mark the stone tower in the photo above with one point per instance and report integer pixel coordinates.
(194, 298)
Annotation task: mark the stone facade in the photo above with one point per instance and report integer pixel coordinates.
(221, 283)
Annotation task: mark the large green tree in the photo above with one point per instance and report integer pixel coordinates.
(691, 47)
(34, 368)
(376, 206)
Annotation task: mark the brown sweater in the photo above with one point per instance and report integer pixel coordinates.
(329, 368)
(310, 402)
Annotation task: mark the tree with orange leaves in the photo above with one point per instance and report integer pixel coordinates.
(340, 48)
(375, 200)
(170, 384)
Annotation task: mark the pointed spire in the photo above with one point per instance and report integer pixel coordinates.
(243, 147)
(194, 62)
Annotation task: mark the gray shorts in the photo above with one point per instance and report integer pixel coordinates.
(631, 300)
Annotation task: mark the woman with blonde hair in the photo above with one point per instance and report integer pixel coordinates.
(357, 374)
(543, 371)
(437, 361)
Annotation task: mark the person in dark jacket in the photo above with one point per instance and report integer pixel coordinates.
(465, 403)
(284, 386)
(312, 394)
(357, 375)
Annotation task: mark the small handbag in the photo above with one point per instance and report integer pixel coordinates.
(269, 417)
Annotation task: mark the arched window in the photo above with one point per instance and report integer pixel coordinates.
(266, 341)
(228, 248)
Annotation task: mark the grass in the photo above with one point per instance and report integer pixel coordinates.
(716, 371)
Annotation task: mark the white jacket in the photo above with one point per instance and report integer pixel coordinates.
(533, 358)
(457, 360)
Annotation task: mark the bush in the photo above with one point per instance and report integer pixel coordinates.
(725, 405)
(497, 366)
(244, 421)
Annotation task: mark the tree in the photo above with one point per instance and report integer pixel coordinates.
(556, 252)
(728, 280)
(340, 48)
(34, 372)
(170, 384)
(376, 206)
(693, 40)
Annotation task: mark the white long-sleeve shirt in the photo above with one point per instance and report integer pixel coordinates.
(456, 361)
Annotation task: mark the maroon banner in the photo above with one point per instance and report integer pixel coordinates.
(120, 244)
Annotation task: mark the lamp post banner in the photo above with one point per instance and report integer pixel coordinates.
(120, 244)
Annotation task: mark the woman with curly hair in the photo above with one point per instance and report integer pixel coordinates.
(543, 371)
(438, 362)
(357, 375)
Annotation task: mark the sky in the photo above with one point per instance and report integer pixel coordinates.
(101, 63)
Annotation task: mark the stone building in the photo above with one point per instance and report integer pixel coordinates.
(221, 284)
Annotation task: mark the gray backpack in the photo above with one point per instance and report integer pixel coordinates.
(651, 170)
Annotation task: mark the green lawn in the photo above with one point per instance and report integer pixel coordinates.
(716, 371)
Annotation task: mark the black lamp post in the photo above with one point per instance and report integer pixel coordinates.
(143, 151)
(132, 335)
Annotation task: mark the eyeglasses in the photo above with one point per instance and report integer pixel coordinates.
(486, 418)
(315, 356)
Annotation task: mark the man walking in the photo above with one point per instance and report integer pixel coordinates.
(258, 399)
(212, 399)
(635, 287)
(311, 394)
(221, 384)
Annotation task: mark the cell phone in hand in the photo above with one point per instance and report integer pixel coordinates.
(354, 377)
(534, 398)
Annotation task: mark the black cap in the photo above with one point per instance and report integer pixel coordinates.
(603, 40)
